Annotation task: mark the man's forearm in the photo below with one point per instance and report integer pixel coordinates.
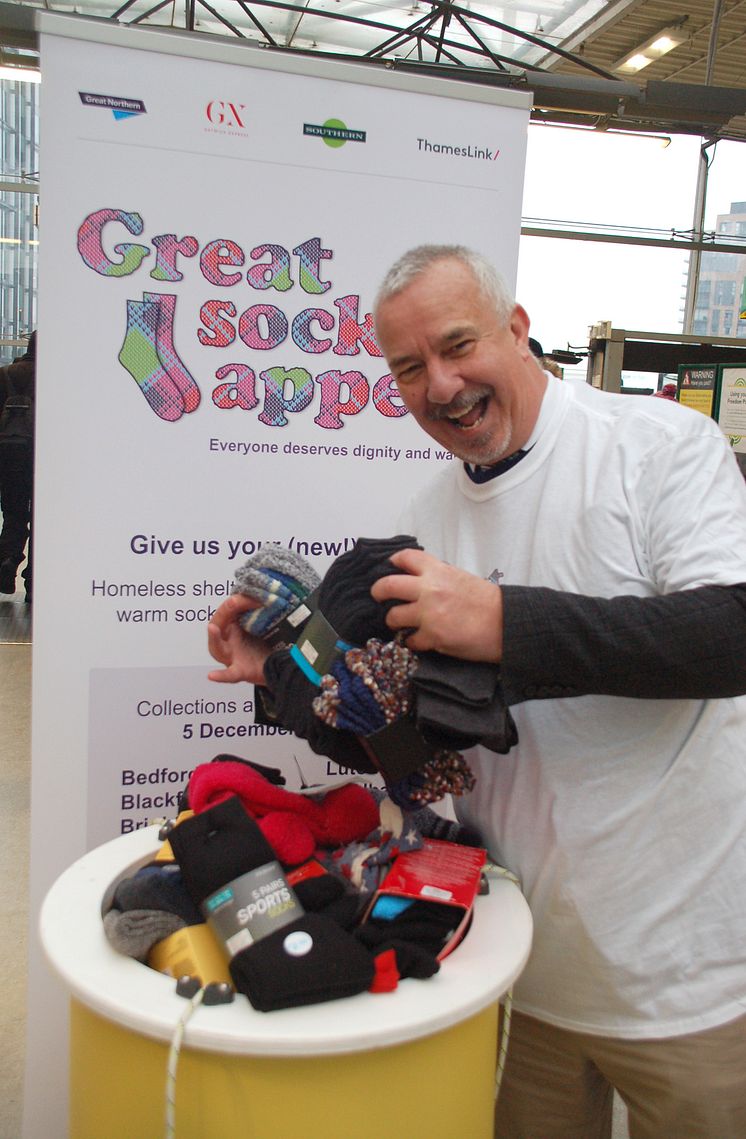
(687, 645)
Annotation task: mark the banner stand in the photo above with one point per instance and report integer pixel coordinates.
(215, 222)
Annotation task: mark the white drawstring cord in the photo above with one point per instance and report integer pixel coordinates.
(495, 871)
(173, 1060)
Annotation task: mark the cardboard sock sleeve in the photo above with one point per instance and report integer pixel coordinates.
(218, 846)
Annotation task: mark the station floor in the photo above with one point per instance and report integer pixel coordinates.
(15, 748)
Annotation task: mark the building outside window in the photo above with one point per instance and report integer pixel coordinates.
(19, 148)
(723, 282)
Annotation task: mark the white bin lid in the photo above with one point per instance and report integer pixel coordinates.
(122, 990)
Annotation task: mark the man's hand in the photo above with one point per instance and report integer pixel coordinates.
(242, 655)
(450, 610)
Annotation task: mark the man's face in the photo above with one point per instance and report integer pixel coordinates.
(470, 382)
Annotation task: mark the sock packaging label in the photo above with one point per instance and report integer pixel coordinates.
(251, 907)
(442, 872)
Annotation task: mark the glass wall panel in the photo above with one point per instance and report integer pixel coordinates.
(19, 205)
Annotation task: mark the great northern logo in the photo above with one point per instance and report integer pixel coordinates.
(120, 108)
(334, 132)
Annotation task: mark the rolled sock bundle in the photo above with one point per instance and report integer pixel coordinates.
(300, 962)
(462, 702)
(306, 962)
(417, 934)
(326, 894)
(159, 886)
(279, 580)
(371, 687)
(137, 931)
(447, 773)
(344, 594)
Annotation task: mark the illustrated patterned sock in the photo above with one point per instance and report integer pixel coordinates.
(139, 356)
(167, 353)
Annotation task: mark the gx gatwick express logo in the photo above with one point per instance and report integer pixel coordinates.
(224, 117)
(121, 108)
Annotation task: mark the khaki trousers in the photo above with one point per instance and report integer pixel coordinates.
(559, 1084)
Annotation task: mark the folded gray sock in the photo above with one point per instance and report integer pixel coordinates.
(135, 932)
(287, 563)
(279, 580)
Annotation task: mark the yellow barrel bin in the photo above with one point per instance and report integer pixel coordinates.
(418, 1062)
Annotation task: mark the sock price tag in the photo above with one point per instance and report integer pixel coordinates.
(251, 907)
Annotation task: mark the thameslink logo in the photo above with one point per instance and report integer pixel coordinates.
(334, 132)
(121, 108)
(468, 151)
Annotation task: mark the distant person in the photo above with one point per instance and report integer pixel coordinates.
(17, 395)
(668, 391)
(547, 363)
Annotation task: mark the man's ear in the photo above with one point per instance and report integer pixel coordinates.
(519, 325)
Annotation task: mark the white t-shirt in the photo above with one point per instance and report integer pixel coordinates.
(625, 819)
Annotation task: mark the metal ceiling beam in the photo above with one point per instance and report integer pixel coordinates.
(498, 60)
(220, 18)
(404, 34)
(574, 99)
(592, 27)
(152, 11)
(260, 27)
(675, 241)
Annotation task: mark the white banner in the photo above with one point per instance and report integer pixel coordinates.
(214, 225)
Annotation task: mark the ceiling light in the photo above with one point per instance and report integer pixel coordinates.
(620, 132)
(20, 74)
(658, 45)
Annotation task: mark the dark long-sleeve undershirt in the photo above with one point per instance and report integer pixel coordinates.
(686, 645)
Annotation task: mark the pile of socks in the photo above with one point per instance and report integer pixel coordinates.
(306, 960)
(375, 680)
(148, 907)
(240, 823)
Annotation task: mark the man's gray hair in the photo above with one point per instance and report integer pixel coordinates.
(415, 261)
